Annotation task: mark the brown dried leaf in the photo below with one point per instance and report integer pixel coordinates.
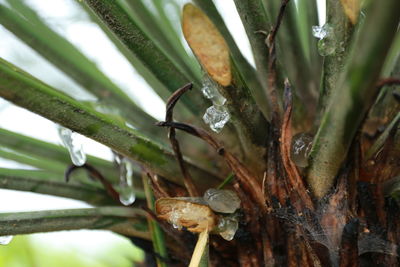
(207, 44)
(294, 177)
(351, 9)
(195, 217)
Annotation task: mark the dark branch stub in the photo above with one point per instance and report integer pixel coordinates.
(272, 86)
(94, 175)
(187, 178)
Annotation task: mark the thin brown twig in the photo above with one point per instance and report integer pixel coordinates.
(96, 175)
(272, 86)
(387, 81)
(246, 179)
(274, 31)
(187, 178)
(294, 178)
(157, 188)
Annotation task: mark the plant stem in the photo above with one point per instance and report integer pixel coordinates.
(27, 26)
(30, 93)
(110, 218)
(354, 94)
(334, 63)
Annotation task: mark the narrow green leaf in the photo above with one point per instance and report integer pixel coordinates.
(108, 218)
(256, 25)
(342, 31)
(157, 235)
(226, 181)
(44, 182)
(378, 144)
(40, 163)
(126, 29)
(165, 38)
(149, 77)
(30, 93)
(27, 26)
(354, 94)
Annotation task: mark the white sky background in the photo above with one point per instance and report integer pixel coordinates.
(73, 24)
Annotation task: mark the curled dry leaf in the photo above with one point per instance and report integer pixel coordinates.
(207, 44)
(351, 9)
(181, 213)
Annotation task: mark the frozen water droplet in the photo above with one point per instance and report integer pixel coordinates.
(5, 239)
(326, 44)
(318, 32)
(127, 194)
(72, 141)
(225, 201)
(208, 88)
(326, 31)
(300, 148)
(216, 117)
(227, 227)
(326, 47)
(176, 216)
(211, 92)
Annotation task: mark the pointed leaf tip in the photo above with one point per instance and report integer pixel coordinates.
(207, 44)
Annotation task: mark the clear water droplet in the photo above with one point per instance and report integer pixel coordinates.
(127, 194)
(225, 201)
(5, 239)
(300, 148)
(227, 227)
(216, 117)
(211, 92)
(72, 141)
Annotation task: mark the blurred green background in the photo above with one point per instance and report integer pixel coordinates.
(24, 251)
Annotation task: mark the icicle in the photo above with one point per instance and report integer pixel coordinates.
(127, 194)
(300, 148)
(225, 201)
(72, 142)
(5, 239)
(216, 117)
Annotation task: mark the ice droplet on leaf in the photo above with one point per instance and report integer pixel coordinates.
(326, 47)
(227, 227)
(210, 91)
(127, 194)
(5, 239)
(216, 117)
(300, 148)
(225, 201)
(322, 32)
(326, 44)
(73, 143)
